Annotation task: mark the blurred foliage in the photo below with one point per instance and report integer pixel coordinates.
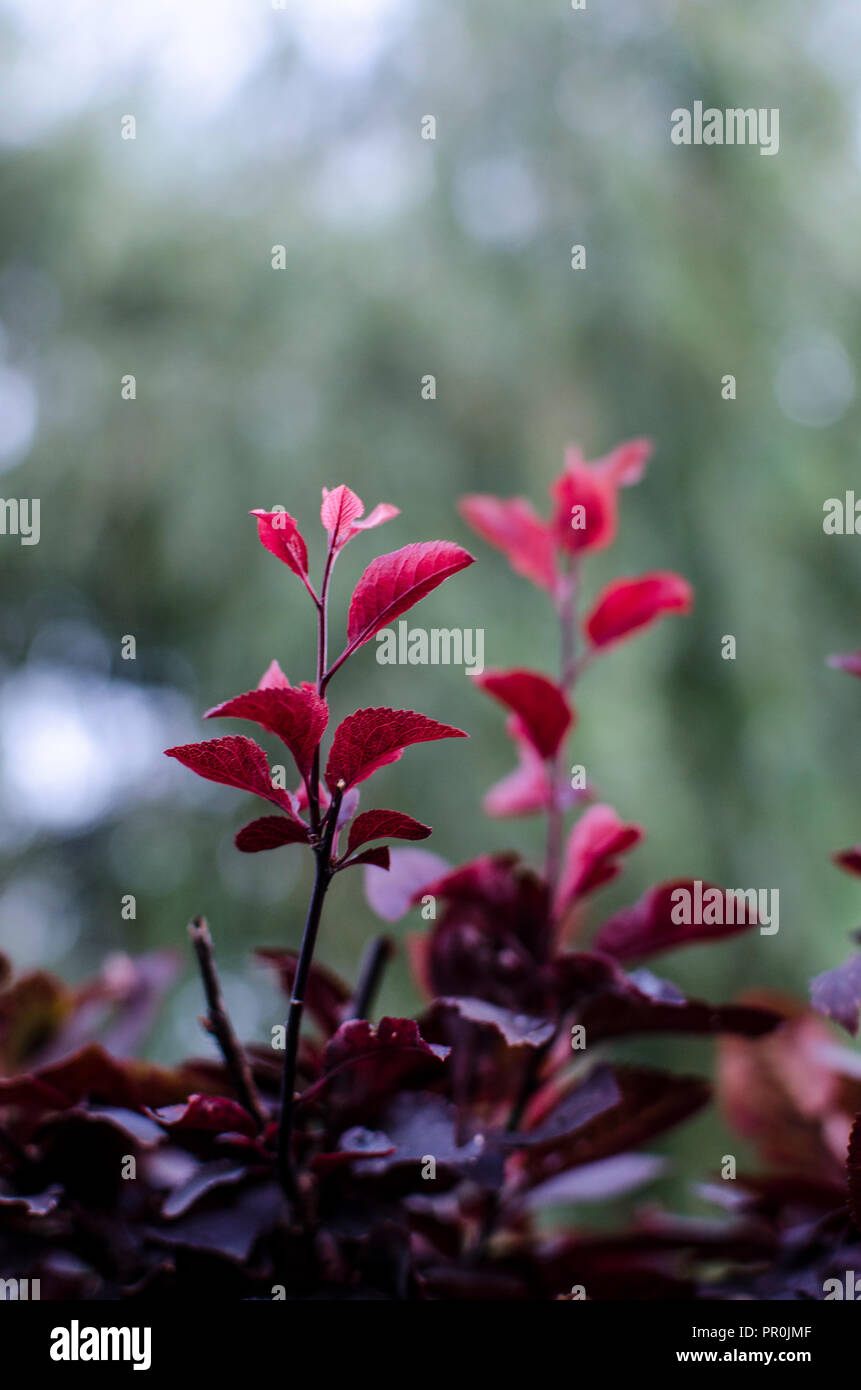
(404, 257)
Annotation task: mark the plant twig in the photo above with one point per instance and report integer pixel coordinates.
(219, 1025)
(322, 879)
(375, 958)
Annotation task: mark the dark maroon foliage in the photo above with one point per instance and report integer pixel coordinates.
(449, 1156)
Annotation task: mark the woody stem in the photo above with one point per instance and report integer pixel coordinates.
(322, 879)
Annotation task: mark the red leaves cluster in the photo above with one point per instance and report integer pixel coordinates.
(363, 742)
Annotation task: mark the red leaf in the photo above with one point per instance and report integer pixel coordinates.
(525, 790)
(379, 857)
(540, 706)
(382, 825)
(837, 993)
(371, 738)
(280, 534)
(362, 1063)
(298, 717)
(849, 859)
(594, 845)
(649, 1102)
(627, 462)
(648, 926)
(585, 498)
(270, 832)
(393, 583)
(273, 678)
(234, 762)
(512, 525)
(215, 1114)
(341, 512)
(626, 605)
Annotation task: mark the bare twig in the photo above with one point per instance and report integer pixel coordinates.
(218, 1022)
(375, 958)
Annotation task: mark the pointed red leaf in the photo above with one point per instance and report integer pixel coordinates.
(383, 825)
(627, 605)
(298, 717)
(393, 583)
(280, 534)
(626, 463)
(585, 516)
(270, 832)
(594, 845)
(379, 857)
(527, 788)
(514, 527)
(234, 762)
(273, 678)
(342, 511)
(216, 1114)
(539, 704)
(361, 1063)
(650, 925)
(371, 738)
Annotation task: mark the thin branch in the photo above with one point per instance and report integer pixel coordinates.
(322, 879)
(375, 958)
(218, 1022)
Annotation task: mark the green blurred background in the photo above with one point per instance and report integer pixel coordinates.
(300, 126)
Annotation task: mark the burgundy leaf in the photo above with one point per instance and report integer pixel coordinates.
(541, 707)
(648, 926)
(643, 1006)
(92, 1074)
(382, 825)
(849, 859)
(627, 605)
(837, 993)
(518, 1030)
(371, 738)
(589, 1098)
(214, 1114)
(362, 1063)
(298, 717)
(234, 762)
(378, 857)
(270, 832)
(513, 526)
(395, 582)
(649, 1102)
